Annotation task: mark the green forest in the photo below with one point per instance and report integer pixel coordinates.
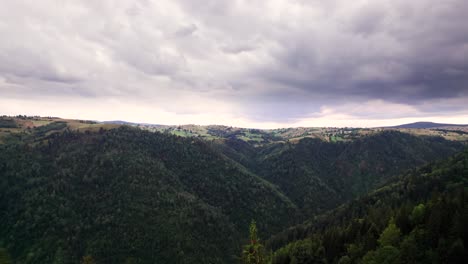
(418, 217)
(127, 195)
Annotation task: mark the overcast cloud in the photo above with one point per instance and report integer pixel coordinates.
(247, 63)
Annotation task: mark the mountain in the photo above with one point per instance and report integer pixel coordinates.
(418, 217)
(74, 189)
(319, 175)
(121, 122)
(255, 137)
(427, 125)
(128, 193)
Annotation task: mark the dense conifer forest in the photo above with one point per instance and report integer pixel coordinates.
(126, 195)
(418, 217)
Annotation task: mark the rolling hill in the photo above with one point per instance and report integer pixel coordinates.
(74, 189)
(127, 193)
(319, 175)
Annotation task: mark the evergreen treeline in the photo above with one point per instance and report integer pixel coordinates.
(131, 196)
(318, 176)
(7, 123)
(419, 217)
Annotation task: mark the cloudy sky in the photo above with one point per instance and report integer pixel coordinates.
(245, 63)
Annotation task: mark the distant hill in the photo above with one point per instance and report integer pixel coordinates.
(318, 175)
(257, 137)
(71, 189)
(119, 122)
(122, 122)
(427, 125)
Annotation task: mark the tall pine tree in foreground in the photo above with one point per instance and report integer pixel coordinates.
(253, 253)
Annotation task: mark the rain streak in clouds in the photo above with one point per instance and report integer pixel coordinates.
(245, 63)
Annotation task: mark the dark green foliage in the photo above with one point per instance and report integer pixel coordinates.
(301, 252)
(251, 135)
(130, 196)
(6, 122)
(319, 175)
(127, 193)
(43, 130)
(416, 218)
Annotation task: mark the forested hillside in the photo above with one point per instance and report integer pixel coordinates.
(126, 195)
(319, 175)
(419, 217)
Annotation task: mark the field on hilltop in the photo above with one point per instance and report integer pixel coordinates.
(24, 124)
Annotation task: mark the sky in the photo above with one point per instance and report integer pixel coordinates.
(263, 64)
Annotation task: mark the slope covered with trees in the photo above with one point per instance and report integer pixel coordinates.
(319, 175)
(126, 195)
(419, 217)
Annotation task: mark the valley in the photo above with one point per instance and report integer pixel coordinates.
(120, 193)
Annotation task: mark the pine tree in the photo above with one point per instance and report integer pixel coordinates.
(254, 252)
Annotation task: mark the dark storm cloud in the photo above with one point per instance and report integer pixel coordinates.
(264, 60)
(426, 59)
(368, 20)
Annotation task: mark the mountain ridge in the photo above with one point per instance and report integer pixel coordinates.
(426, 125)
(76, 188)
